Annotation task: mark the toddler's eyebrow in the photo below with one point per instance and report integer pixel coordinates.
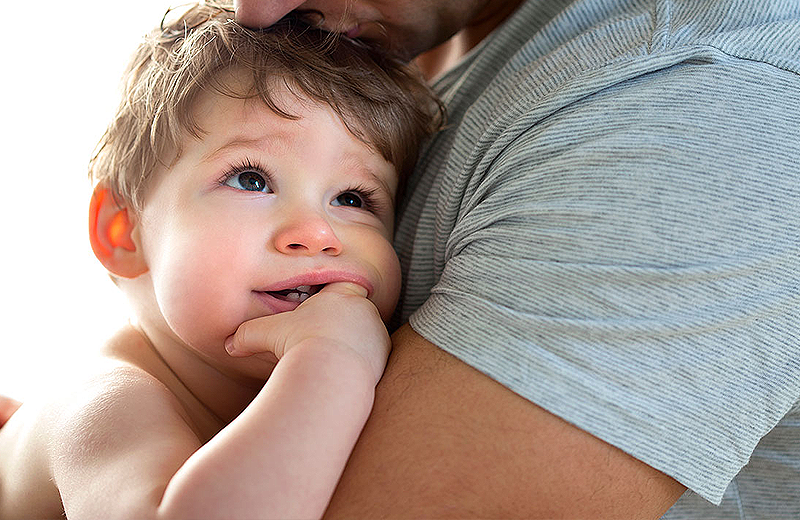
(271, 142)
(354, 161)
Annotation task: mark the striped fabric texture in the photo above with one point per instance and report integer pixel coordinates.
(610, 227)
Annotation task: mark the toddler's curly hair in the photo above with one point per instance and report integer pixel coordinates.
(382, 101)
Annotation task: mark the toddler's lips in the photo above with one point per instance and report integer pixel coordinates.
(311, 283)
(297, 294)
(276, 303)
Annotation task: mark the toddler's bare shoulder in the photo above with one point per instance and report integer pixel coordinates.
(78, 417)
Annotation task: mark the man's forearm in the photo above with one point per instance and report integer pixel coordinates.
(445, 441)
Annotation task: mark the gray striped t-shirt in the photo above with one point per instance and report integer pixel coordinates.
(610, 227)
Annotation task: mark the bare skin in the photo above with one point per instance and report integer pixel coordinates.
(444, 440)
(175, 418)
(7, 408)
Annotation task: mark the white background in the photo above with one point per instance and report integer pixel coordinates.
(61, 65)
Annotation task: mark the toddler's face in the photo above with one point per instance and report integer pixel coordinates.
(259, 213)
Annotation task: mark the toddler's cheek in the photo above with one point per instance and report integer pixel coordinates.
(199, 312)
(390, 291)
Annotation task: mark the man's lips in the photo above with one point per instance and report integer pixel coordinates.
(354, 31)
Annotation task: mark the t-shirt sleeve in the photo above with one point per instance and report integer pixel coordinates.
(630, 263)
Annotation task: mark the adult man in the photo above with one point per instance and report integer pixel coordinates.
(605, 229)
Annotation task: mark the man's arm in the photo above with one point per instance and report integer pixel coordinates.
(445, 441)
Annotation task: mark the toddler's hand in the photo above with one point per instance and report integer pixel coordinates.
(340, 313)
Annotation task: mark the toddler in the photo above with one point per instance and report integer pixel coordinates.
(244, 203)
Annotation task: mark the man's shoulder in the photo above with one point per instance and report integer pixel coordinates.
(554, 50)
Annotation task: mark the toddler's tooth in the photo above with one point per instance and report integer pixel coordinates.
(304, 296)
(294, 296)
(304, 288)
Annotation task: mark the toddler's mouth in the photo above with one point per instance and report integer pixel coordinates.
(296, 294)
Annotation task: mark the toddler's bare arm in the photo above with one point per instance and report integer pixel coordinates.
(125, 448)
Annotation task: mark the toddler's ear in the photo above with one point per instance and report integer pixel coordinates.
(113, 235)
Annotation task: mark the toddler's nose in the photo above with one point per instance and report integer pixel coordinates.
(307, 235)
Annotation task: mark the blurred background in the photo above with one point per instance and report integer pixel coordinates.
(60, 78)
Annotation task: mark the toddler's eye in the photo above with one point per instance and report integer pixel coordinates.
(247, 180)
(348, 198)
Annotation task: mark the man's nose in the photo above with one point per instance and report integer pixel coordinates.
(307, 235)
(263, 13)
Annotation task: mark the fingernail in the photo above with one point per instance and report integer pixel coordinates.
(229, 345)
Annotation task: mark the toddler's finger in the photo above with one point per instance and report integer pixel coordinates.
(346, 288)
(256, 336)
